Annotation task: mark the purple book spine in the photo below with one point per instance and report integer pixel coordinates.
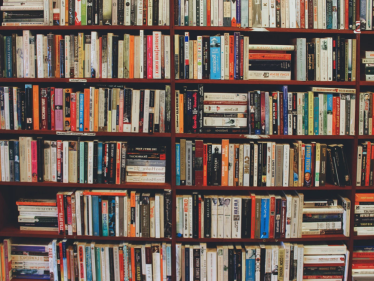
(30, 248)
(59, 110)
(238, 11)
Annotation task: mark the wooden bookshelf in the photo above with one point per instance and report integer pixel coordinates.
(9, 190)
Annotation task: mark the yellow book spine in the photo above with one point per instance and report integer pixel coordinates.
(310, 113)
(181, 112)
(80, 55)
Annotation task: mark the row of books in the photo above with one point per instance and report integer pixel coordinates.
(282, 261)
(365, 164)
(321, 111)
(365, 124)
(366, 15)
(74, 260)
(91, 109)
(29, 160)
(362, 262)
(281, 14)
(260, 216)
(368, 61)
(260, 164)
(364, 214)
(91, 12)
(85, 56)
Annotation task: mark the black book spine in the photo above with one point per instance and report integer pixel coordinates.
(112, 163)
(195, 112)
(231, 265)
(193, 163)
(177, 15)
(195, 215)
(62, 58)
(167, 213)
(141, 111)
(101, 18)
(95, 161)
(200, 107)
(206, 58)
(257, 104)
(121, 13)
(259, 173)
(264, 163)
(11, 108)
(40, 147)
(346, 178)
(11, 160)
(14, 55)
(132, 15)
(49, 108)
(262, 263)
(207, 217)
(197, 12)
(188, 113)
(277, 225)
(115, 57)
(342, 59)
(71, 12)
(311, 62)
(181, 57)
(111, 264)
(66, 213)
(22, 115)
(187, 263)
(251, 164)
(292, 268)
(196, 264)
(246, 218)
(338, 14)
(155, 12)
(138, 264)
(278, 13)
(216, 175)
(275, 113)
(350, 14)
(28, 109)
(168, 109)
(209, 165)
(1, 56)
(95, 19)
(334, 51)
(89, 12)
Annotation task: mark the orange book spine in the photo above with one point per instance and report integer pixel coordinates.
(67, 15)
(121, 264)
(133, 273)
(364, 197)
(86, 120)
(347, 15)
(181, 113)
(233, 17)
(35, 105)
(19, 203)
(118, 163)
(231, 58)
(68, 263)
(253, 215)
(132, 205)
(368, 156)
(205, 164)
(131, 54)
(225, 163)
(103, 193)
(57, 54)
(208, 13)
(96, 110)
(268, 56)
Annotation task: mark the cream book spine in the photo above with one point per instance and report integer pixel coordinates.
(65, 151)
(39, 55)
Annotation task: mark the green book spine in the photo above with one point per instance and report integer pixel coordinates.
(84, 12)
(190, 12)
(324, 114)
(98, 264)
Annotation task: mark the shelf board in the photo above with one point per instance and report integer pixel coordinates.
(156, 186)
(365, 188)
(363, 237)
(249, 240)
(84, 27)
(364, 137)
(83, 80)
(367, 32)
(260, 137)
(367, 83)
(248, 29)
(265, 82)
(13, 231)
(255, 188)
(97, 134)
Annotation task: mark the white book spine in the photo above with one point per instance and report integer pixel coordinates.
(220, 217)
(120, 60)
(199, 57)
(231, 164)
(295, 217)
(246, 162)
(329, 59)
(321, 115)
(353, 116)
(190, 217)
(160, 12)
(289, 215)
(139, 15)
(292, 10)
(342, 116)
(185, 217)
(156, 55)
(146, 111)
(15, 113)
(135, 111)
(324, 15)
(92, 97)
(287, 4)
(26, 54)
(236, 217)
(53, 161)
(272, 16)
(289, 113)
(90, 162)
(62, 12)
(215, 13)
(20, 56)
(65, 149)
(94, 68)
(127, 12)
(39, 55)
(255, 169)
(223, 57)
(108, 71)
(268, 164)
(300, 113)
(67, 56)
(157, 216)
(227, 218)
(214, 205)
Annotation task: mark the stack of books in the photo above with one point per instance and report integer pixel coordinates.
(62, 259)
(364, 214)
(320, 111)
(91, 12)
(368, 61)
(362, 262)
(260, 164)
(146, 164)
(258, 216)
(86, 56)
(329, 262)
(37, 214)
(119, 109)
(114, 213)
(251, 13)
(326, 216)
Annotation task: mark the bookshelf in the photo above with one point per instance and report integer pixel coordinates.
(9, 191)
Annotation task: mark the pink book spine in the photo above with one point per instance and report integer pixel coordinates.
(156, 55)
(59, 166)
(120, 121)
(58, 110)
(149, 57)
(34, 161)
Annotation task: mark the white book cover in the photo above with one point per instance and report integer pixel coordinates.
(6, 160)
(199, 57)
(156, 55)
(220, 217)
(87, 58)
(324, 21)
(178, 250)
(137, 215)
(265, 13)
(117, 215)
(255, 166)
(156, 266)
(342, 14)
(212, 264)
(2, 155)
(334, 14)
(319, 14)
(236, 217)
(274, 262)
(295, 216)
(39, 55)
(246, 161)
(135, 111)
(65, 149)
(342, 116)
(214, 206)
(227, 219)
(233, 11)
(32, 56)
(220, 13)
(150, 12)
(272, 14)
(306, 13)
(157, 107)
(90, 162)
(288, 215)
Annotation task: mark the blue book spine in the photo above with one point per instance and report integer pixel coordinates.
(168, 263)
(215, 57)
(81, 112)
(305, 114)
(316, 115)
(328, 14)
(19, 110)
(98, 263)
(95, 215)
(329, 108)
(308, 166)
(187, 263)
(100, 162)
(180, 16)
(244, 15)
(64, 260)
(88, 264)
(367, 248)
(81, 162)
(177, 163)
(105, 218)
(238, 12)
(112, 216)
(236, 55)
(265, 218)
(31, 276)
(16, 161)
(250, 264)
(285, 110)
(9, 56)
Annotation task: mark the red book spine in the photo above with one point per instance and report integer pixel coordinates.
(199, 153)
(73, 112)
(60, 214)
(253, 216)
(43, 110)
(205, 163)
(59, 166)
(68, 265)
(53, 109)
(61, 258)
(363, 255)
(70, 215)
(118, 163)
(263, 113)
(362, 266)
(199, 208)
(208, 12)
(302, 14)
(231, 58)
(337, 116)
(241, 57)
(121, 262)
(272, 217)
(346, 14)
(334, 116)
(225, 103)
(368, 157)
(34, 161)
(149, 57)
(268, 56)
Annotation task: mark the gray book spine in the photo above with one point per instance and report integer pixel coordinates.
(279, 165)
(257, 18)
